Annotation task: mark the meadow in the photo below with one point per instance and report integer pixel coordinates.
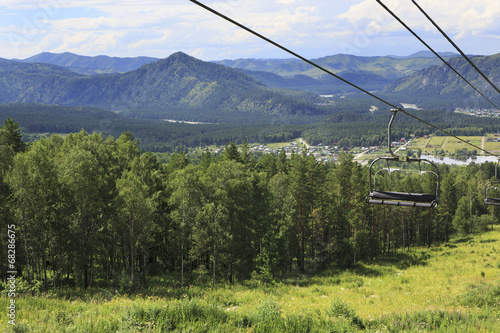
(453, 287)
(451, 145)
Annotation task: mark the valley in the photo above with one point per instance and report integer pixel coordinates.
(189, 196)
(165, 166)
(251, 106)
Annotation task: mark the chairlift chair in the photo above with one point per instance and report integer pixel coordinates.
(383, 197)
(492, 186)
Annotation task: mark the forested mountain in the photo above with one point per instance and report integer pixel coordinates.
(184, 88)
(442, 82)
(170, 87)
(103, 64)
(90, 65)
(388, 67)
(325, 85)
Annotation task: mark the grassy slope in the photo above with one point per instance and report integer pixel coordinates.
(453, 287)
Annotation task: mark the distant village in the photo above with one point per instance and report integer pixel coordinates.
(478, 112)
(320, 152)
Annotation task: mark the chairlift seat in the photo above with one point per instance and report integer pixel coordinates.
(382, 197)
(492, 201)
(402, 199)
(420, 197)
(492, 185)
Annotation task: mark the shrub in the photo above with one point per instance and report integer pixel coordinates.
(341, 309)
(181, 314)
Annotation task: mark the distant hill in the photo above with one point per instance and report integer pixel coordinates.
(325, 85)
(91, 65)
(441, 82)
(179, 86)
(387, 67)
(426, 54)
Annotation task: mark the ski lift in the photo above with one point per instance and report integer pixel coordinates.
(493, 185)
(381, 196)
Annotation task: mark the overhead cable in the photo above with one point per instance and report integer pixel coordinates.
(289, 51)
(432, 50)
(334, 75)
(456, 47)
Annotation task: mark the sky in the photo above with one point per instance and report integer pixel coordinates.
(312, 28)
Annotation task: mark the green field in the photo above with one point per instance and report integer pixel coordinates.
(451, 145)
(453, 287)
(436, 141)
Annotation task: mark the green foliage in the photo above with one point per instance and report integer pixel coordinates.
(10, 135)
(400, 297)
(23, 286)
(181, 315)
(100, 212)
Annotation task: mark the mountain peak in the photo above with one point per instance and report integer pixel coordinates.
(180, 55)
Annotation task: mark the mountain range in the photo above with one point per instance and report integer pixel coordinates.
(338, 63)
(173, 87)
(184, 88)
(441, 80)
(372, 73)
(388, 67)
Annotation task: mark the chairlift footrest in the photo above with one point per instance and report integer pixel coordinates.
(492, 201)
(402, 203)
(404, 196)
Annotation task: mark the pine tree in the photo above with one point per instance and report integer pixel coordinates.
(10, 135)
(231, 153)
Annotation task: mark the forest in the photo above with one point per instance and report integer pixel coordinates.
(90, 210)
(349, 125)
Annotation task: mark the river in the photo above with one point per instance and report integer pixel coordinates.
(461, 161)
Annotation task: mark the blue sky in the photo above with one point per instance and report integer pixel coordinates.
(312, 28)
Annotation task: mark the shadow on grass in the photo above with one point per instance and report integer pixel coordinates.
(491, 240)
(169, 286)
(362, 270)
(462, 240)
(403, 260)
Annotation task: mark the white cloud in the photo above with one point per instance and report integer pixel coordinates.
(159, 27)
(462, 18)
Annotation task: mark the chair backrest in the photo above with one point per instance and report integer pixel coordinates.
(415, 167)
(494, 185)
(390, 197)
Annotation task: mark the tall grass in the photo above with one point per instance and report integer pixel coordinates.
(449, 288)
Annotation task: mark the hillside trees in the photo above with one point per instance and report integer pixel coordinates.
(97, 211)
(36, 191)
(86, 184)
(278, 236)
(185, 199)
(135, 211)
